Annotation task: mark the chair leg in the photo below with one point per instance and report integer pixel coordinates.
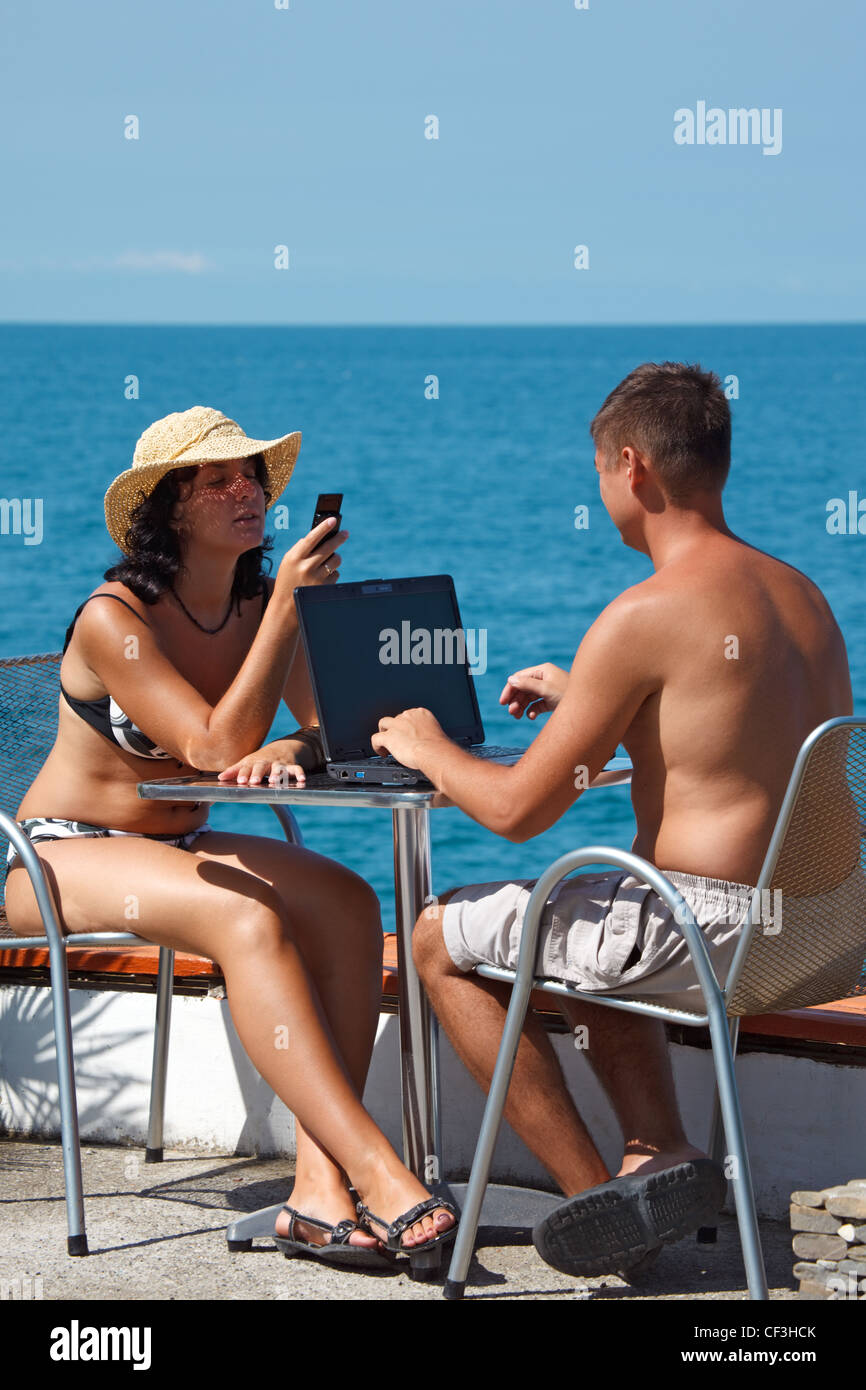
(165, 981)
(470, 1216)
(708, 1235)
(744, 1195)
(76, 1242)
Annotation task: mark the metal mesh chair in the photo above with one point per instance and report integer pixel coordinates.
(803, 942)
(29, 696)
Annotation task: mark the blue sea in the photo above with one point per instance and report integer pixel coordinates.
(480, 483)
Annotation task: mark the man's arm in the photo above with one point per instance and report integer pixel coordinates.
(617, 666)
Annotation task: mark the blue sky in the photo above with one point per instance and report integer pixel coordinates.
(305, 126)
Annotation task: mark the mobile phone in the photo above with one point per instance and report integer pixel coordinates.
(328, 504)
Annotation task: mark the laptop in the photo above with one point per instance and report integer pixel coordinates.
(379, 646)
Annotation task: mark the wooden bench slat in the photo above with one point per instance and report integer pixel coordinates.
(842, 1022)
(119, 960)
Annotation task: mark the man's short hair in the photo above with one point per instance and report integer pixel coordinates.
(679, 417)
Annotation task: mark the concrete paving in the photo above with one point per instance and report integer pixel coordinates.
(157, 1232)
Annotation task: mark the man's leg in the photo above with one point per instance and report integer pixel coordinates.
(539, 1108)
(622, 1225)
(629, 1055)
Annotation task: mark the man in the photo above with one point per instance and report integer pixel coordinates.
(711, 672)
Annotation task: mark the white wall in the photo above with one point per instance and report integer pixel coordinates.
(803, 1119)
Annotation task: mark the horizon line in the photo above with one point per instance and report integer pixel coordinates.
(460, 323)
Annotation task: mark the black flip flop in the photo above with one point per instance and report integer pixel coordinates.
(392, 1239)
(614, 1226)
(337, 1251)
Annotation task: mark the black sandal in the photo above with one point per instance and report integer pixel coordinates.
(337, 1250)
(396, 1228)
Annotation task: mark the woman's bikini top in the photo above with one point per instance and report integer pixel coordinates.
(105, 715)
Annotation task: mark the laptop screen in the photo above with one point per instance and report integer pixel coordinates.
(381, 646)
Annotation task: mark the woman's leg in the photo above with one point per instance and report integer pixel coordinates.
(338, 930)
(232, 916)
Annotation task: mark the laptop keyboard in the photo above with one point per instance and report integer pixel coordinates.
(493, 752)
(486, 752)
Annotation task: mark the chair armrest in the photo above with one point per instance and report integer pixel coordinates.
(641, 868)
(41, 887)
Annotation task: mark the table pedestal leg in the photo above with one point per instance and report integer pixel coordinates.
(419, 1075)
(506, 1208)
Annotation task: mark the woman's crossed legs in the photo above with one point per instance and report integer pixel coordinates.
(299, 940)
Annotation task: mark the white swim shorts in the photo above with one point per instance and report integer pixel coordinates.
(602, 932)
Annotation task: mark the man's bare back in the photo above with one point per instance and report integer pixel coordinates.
(751, 661)
(711, 672)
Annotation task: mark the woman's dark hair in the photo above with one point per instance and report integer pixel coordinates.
(153, 555)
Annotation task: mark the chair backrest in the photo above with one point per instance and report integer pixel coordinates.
(29, 696)
(808, 944)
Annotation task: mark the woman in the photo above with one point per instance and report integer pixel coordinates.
(183, 656)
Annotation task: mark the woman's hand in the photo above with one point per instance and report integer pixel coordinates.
(536, 689)
(278, 763)
(403, 735)
(311, 560)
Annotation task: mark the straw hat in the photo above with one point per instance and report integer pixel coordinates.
(199, 435)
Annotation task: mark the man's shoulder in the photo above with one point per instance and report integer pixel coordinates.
(622, 657)
(631, 627)
(803, 582)
(783, 579)
(635, 606)
(653, 617)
